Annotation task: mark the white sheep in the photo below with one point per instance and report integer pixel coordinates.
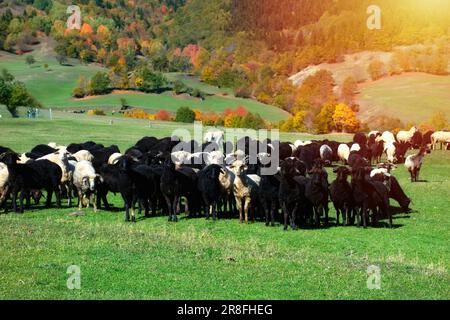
(441, 137)
(343, 152)
(114, 158)
(387, 137)
(406, 136)
(180, 157)
(4, 176)
(244, 187)
(414, 163)
(355, 148)
(61, 159)
(85, 179)
(83, 155)
(216, 136)
(389, 149)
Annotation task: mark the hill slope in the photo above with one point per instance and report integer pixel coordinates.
(53, 87)
(409, 97)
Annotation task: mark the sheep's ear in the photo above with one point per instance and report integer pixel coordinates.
(85, 181)
(99, 178)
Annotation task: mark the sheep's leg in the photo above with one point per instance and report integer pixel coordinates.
(286, 215)
(58, 198)
(317, 214)
(272, 213)
(186, 207)
(239, 207)
(266, 210)
(48, 203)
(127, 211)
(246, 208)
(175, 208)
(338, 212)
(364, 215)
(94, 203)
(169, 207)
(344, 215)
(80, 200)
(22, 195)
(294, 217)
(326, 214)
(358, 216)
(214, 211)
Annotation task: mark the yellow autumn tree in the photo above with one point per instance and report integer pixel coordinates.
(295, 123)
(345, 119)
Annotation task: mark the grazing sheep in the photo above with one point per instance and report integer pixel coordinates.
(343, 152)
(210, 187)
(341, 194)
(417, 140)
(426, 139)
(83, 155)
(406, 136)
(317, 192)
(4, 176)
(226, 179)
(376, 151)
(390, 152)
(268, 191)
(387, 137)
(36, 175)
(369, 195)
(439, 137)
(245, 188)
(326, 154)
(292, 191)
(400, 151)
(214, 136)
(355, 147)
(360, 138)
(85, 180)
(414, 163)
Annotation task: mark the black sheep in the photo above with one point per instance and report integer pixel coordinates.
(291, 194)
(317, 193)
(210, 188)
(341, 194)
(36, 175)
(360, 138)
(369, 195)
(39, 151)
(268, 195)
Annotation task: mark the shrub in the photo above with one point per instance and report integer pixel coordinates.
(376, 69)
(179, 87)
(78, 93)
(185, 114)
(99, 83)
(138, 114)
(162, 115)
(96, 112)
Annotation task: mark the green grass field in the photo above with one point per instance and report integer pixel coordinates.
(199, 259)
(61, 80)
(409, 97)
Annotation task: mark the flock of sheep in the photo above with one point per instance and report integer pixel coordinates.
(213, 182)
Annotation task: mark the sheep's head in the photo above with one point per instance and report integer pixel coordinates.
(90, 182)
(238, 167)
(9, 158)
(342, 173)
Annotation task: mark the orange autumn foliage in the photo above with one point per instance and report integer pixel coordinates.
(86, 29)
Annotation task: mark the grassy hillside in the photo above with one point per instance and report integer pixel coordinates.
(411, 97)
(53, 87)
(156, 259)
